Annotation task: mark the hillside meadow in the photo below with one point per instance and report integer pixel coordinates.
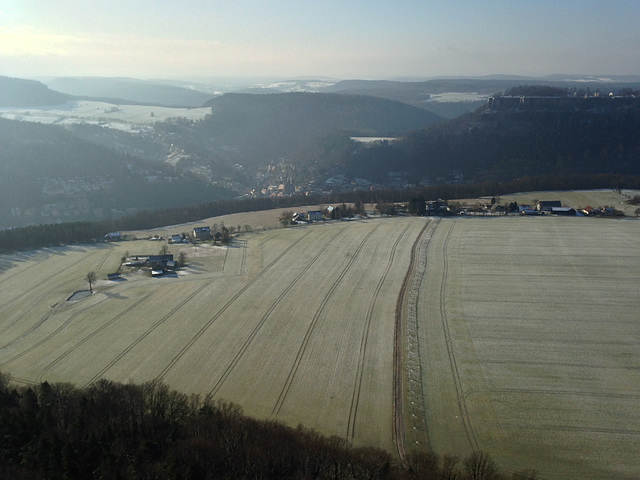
(122, 117)
(518, 335)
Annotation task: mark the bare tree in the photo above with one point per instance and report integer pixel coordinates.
(480, 466)
(285, 218)
(91, 277)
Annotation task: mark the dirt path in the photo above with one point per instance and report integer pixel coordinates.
(407, 388)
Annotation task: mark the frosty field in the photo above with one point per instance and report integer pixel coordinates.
(293, 324)
(517, 336)
(122, 117)
(528, 335)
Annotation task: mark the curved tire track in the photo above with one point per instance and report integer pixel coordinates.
(145, 335)
(104, 259)
(34, 287)
(296, 364)
(41, 341)
(455, 371)
(88, 337)
(362, 353)
(213, 319)
(264, 318)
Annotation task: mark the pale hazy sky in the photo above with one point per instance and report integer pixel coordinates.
(335, 38)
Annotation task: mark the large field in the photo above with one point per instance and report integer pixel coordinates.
(518, 336)
(295, 325)
(528, 335)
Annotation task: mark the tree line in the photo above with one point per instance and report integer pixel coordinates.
(149, 431)
(27, 238)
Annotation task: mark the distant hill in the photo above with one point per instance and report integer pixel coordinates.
(261, 128)
(18, 92)
(486, 85)
(129, 89)
(509, 139)
(422, 93)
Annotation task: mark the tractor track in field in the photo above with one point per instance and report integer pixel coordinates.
(41, 341)
(560, 364)
(141, 337)
(104, 258)
(224, 262)
(455, 371)
(243, 258)
(245, 248)
(296, 364)
(88, 337)
(33, 287)
(213, 319)
(566, 393)
(568, 428)
(5, 264)
(357, 386)
(264, 318)
(24, 381)
(41, 322)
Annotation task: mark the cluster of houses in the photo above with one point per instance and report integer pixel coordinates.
(555, 207)
(542, 207)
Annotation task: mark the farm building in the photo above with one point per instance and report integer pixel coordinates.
(200, 233)
(178, 238)
(563, 211)
(113, 237)
(314, 215)
(161, 263)
(438, 207)
(527, 210)
(160, 259)
(299, 217)
(547, 205)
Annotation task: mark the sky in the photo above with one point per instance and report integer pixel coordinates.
(323, 38)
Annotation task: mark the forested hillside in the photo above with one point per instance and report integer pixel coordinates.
(264, 127)
(48, 175)
(504, 144)
(18, 92)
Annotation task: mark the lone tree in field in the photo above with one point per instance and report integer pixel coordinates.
(91, 277)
